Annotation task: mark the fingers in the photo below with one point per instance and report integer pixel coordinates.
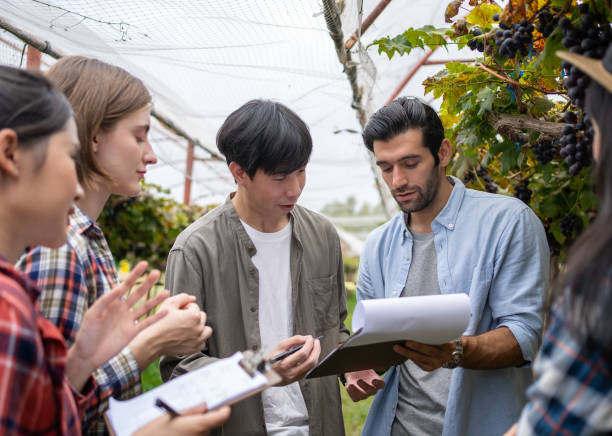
(362, 384)
(200, 408)
(207, 333)
(378, 383)
(426, 363)
(150, 304)
(213, 419)
(134, 275)
(138, 327)
(299, 356)
(367, 388)
(355, 393)
(148, 282)
(179, 300)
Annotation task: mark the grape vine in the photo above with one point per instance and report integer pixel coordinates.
(516, 114)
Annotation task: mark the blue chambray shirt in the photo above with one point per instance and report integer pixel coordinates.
(493, 248)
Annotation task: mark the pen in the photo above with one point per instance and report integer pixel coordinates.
(163, 405)
(289, 352)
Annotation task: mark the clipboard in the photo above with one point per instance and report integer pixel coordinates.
(223, 382)
(379, 324)
(345, 358)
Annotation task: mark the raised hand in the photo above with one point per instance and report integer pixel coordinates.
(111, 323)
(182, 331)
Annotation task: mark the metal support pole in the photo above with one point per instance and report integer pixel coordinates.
(34, 58)
(188, 173)
(366, 23)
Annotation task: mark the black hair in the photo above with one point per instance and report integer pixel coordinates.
(588, 276)
(403, 114)
(31, 106)
(265, 135)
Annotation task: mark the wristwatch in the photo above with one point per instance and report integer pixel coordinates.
(456, 356)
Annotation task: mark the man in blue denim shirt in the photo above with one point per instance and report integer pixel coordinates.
(449, 239)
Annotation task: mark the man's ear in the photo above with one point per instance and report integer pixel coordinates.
(9, 152)
(238, 173)
(445, 152)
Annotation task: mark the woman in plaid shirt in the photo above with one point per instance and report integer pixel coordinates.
(572, 394)
(112, 110)
(44, 387)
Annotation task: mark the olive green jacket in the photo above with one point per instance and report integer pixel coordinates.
(211, 260)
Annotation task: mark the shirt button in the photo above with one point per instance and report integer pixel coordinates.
(394, 293)
(254, 347)
(406, 257)
(406, 233)
(451, 226)
(253, 309)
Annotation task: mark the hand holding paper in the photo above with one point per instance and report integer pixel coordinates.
(382, 323)
(427, 357)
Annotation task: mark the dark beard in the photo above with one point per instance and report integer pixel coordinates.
(424, 198)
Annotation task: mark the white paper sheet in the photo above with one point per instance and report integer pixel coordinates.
(216, 384)
(430, 319)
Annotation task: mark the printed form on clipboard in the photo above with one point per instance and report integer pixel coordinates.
(379, 324)
(223, 382)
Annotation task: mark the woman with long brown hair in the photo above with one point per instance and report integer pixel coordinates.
(112, 109)
(572, 394)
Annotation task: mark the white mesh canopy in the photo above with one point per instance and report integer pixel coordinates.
(203, 59)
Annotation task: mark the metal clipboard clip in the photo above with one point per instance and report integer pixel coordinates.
(254, 361)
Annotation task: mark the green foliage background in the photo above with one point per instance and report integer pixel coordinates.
(146, 226)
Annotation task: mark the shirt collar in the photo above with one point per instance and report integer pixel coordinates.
(9, 270)
(448, 215)
(83, 225)
(243, 235)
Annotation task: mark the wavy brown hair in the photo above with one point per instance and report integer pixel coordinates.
(587, 281)
(100, 95)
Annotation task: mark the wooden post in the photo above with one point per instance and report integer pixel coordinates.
(188, 173)
(382, 4)
(34, 58)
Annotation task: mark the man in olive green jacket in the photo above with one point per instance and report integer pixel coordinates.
(268, 273)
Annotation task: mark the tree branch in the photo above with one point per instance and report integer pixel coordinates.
(512, 125)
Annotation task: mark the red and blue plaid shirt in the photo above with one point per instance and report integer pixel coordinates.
(35, 395)
(72, 278)
(572, 394)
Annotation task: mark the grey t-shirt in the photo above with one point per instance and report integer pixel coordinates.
(422, 395)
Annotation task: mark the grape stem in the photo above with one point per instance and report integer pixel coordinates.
(513, 82)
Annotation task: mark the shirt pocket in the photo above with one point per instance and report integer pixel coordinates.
(324, 294)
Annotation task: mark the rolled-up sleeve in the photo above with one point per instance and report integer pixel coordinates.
(521, 276)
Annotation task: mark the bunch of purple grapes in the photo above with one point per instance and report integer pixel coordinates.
(576, 141)
(570, 224)
(490, 185)
(514, 38)
(544, 150)
(523, 193)
(546, 22)
(588, 37)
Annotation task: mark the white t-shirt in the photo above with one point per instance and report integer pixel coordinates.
(284, 407)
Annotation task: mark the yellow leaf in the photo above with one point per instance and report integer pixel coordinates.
(483, 15)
